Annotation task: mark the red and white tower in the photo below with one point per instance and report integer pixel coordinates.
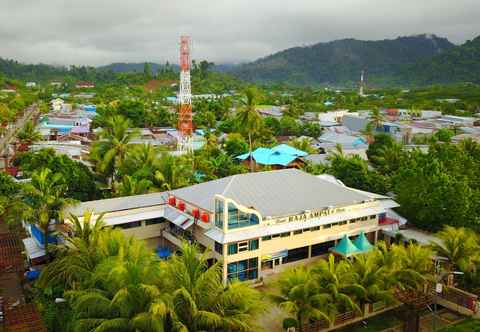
(185, 126)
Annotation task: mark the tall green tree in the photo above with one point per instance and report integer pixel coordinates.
(248, 119)
(46, 196)
(110, 150)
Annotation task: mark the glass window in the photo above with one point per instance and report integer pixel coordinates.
(243, 270)
(373, 217)
(316, 228)
(296, 254)
(322, 248)
(154, 221)
(286, 234)
(353, 221)
(341, 223)
(243, 246)
(274, 236)
(219, 247)
(128, 225)
(232, 248)
(267, 238)
(238, 219)
(219, 213)
(300, 231)
(327, 226)
(253, 244)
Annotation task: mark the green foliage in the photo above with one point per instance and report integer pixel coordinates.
(46, 195)
(235, 145)
(354, 172)
(440, 187)
(444, 135)
(329, 287)
(320, 63)
(468, 325)
(79, 179)
(117, 284)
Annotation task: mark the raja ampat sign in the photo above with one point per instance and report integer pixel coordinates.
(314, 214)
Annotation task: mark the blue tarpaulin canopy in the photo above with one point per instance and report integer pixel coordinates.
(163, 252)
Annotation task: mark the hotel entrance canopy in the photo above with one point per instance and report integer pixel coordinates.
(178, 218)
(345, 247)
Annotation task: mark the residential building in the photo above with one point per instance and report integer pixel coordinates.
(278, 157)
(355, 122)
(271, 111)
(332, 118)
(257, 224)
(84, 85)
(56, 104)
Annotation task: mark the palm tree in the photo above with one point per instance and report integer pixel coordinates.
(77, 263)
(338, 285)
(376, 118)
(460, 246)
(249, 119)
(300, 296)
(130, 186)
(46, 196)
(123, 293)
(28, 134)
(86, 229)
(368, 132)
(200, 300)
(390, 158)
(413, 267)
(113, 144)
(144, 162)
(372, 277)
(303, 145)
(175, 172)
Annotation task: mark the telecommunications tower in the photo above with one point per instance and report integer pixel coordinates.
(362, 84)
(185, 126)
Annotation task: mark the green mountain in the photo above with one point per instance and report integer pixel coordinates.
(132, 67)
(459, 64)
(341, 61)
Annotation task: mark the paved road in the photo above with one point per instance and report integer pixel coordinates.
(9, 135)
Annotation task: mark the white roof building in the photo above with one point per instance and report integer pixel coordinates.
(256, 223)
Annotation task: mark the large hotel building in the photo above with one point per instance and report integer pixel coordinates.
(256, 223)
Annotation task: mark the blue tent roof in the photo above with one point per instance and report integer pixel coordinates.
(362, 243)
(345, 247)
(282, 154)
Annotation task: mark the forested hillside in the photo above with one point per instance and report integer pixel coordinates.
(460, 64)
(341, 61)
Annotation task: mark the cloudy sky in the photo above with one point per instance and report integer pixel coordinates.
(98, 32)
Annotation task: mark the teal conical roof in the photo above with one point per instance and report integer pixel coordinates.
(362, 243)
(345, 247)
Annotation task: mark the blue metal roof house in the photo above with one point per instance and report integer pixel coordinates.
(278, 157)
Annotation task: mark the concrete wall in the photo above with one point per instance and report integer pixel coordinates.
(145, 232)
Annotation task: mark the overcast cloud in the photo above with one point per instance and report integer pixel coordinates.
(98, 32)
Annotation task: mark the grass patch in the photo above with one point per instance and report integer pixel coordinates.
(468, 325)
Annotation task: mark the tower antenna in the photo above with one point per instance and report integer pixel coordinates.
(185, 125)
(362, 84)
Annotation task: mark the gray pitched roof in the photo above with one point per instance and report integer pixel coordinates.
(272, 193)
(119, 203)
